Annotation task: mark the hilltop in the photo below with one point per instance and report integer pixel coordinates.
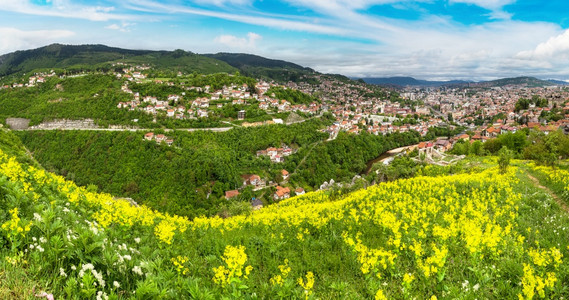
(91, 56)
(260, 67)
(88, 57)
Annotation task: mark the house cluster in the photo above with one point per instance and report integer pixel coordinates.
(158, 138)
(355, 113)
(131, 73)
(467, 104)
(259, 183)
(253, 180)
(485, 133)
(33, 80)
(277, 155)
(204, 107)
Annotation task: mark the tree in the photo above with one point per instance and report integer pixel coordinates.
(476, 148)
(493, 145)
(504, 156)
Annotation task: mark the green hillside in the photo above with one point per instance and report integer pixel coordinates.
(57, 56)
(474, 235)
(526, 81)
(191, 177)
(264, 68)
(95, 96)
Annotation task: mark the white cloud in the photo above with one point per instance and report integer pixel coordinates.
(234, 42)
(429, 47)
(278, 22)
(224, 2)
(487, 4)
(12, 39)
(554, 48)
(63, 8)
(122, 27)
(432, 46)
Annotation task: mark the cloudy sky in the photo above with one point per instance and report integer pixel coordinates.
(427, 39)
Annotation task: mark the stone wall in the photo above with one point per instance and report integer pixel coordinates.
(18, 123)
(66, 124)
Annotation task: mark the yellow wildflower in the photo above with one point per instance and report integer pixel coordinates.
(308, 284)
(380, 295)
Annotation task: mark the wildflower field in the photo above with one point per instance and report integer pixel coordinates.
(472, 235)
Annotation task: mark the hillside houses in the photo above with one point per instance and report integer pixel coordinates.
(254, 180)
(277, 155)
(202, 107)
(158, 138)
(281, 193)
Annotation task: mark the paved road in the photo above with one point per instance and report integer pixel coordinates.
(215, 129)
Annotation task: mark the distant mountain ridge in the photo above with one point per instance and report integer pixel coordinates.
(410, 81)
(523, 80)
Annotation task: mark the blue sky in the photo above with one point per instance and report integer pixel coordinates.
(427, 39)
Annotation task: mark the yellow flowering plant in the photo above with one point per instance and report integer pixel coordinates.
(16, 228)
(234, 268)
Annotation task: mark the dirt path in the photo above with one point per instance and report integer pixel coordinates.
(561, 204)
(304, 158)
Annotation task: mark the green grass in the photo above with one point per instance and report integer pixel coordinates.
(15, 283)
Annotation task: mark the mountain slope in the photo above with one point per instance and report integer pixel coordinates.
(87, 56)
(409, 81)
(524, 80)
(412, 238)
(260, 67)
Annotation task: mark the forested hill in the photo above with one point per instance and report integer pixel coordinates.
(241, 60)
(89, 56)
(261, 67)
(526, 81)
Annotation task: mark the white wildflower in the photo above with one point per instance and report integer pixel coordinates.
(99, 277)
(137, 270)
(37, 217)
(40, 248)
(137, 240)
(73, 267)
(62, 272)
(465, 285)
(127, 257)
(116, 284)
(84, 268)
(102, 295)
(476, 287)
(43, 240)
